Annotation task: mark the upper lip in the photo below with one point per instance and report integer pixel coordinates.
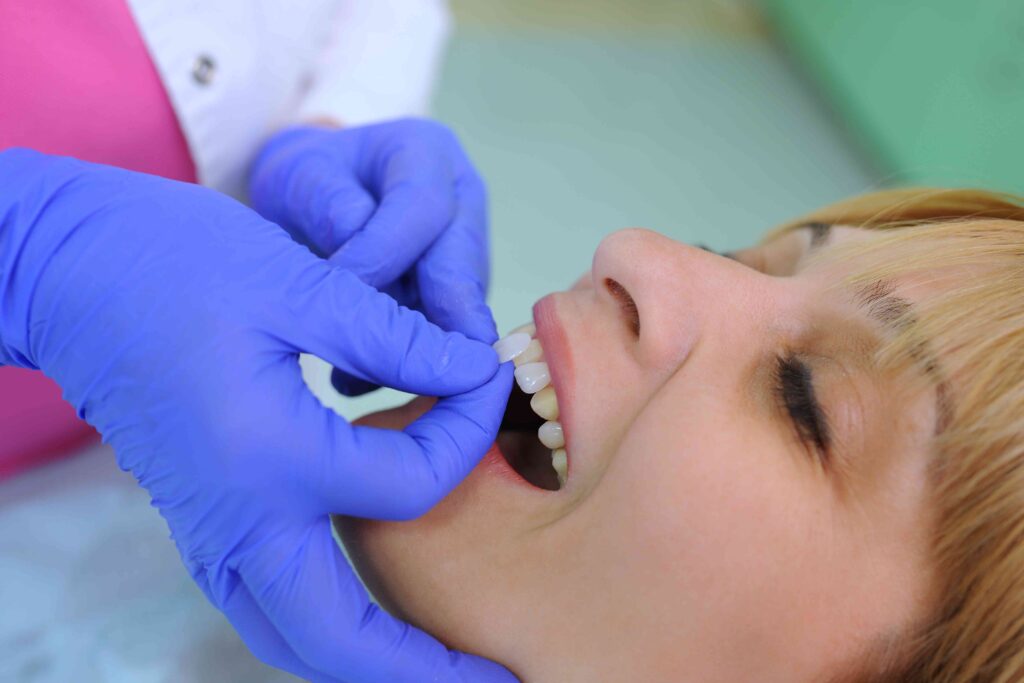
(558, 354)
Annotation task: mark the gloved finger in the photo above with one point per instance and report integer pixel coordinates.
(402, 290)
(453, 274)
(262, 637)
(312, 596)
(319, 203)
(396, 475)
(340, 210)
(417, 202)
(325, 208)
(367, 334)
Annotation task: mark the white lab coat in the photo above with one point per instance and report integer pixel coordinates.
(238, 70)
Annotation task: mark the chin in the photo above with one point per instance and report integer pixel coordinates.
(445, 572)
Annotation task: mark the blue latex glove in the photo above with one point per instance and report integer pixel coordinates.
(172, 317)
(397, 203)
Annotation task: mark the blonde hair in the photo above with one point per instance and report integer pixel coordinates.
(971, 244)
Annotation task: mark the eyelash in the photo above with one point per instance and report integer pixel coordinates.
(794, 386)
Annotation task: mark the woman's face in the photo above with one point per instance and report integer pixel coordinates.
(746, 497)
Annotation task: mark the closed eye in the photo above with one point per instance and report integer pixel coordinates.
(794, 386)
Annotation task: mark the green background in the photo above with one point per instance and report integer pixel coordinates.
(933, 88)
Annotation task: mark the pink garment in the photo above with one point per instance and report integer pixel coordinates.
(76, 80)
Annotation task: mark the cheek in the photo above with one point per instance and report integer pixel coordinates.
(709, 501)
(715, 522)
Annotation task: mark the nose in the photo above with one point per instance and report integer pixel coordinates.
(682, 294)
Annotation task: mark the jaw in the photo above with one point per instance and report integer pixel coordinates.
(457, 572)
(484, 571)
(464, 580)
(452, 573)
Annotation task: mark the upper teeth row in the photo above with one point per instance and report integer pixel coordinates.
(533, 377)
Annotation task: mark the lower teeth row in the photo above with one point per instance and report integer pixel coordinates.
(533, 377)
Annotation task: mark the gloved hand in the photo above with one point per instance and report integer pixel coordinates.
(396, 203)
(172, 318)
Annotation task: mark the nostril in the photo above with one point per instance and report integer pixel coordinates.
(629, 310)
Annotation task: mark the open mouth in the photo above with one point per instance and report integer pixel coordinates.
(531, 439)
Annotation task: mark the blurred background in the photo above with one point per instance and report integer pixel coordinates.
(708, 120)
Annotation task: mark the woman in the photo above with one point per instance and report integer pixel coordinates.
(803, 461)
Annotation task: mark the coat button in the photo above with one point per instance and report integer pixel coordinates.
(203, 69)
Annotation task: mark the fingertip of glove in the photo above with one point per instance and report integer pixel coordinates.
(469, 315)
(476, 360)
(482, 324)
(476, 326)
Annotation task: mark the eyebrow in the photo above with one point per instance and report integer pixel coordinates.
(896, 314)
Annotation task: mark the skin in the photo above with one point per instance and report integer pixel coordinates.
(698, 538)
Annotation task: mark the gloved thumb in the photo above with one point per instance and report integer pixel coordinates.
(295, 184)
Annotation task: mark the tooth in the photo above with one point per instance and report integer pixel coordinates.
(550, 434)
(533, 377)
(560, 461)
(511, 346)
(528, 328)
(545, 403)
(531, 354)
